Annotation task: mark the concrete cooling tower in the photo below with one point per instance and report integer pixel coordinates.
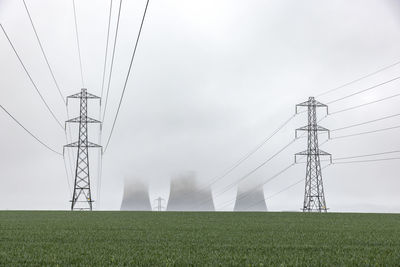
(186, 195)
(136, 196)
(250, 199)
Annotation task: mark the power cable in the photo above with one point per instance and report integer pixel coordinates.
(77, 42)
(270, 179)
(367, 132)
(366, 122)
(43, 53)
(29, 132)
(283, 190)
(359, 79)
(364, 90)
(112, 60)
(54, 80)
(30, 78)
(369, 155)
(66, 172)
(231, 185)
(365, 104)
(100, 156)
(100, 173)
(106, 52)
(256, 187)
(365, 161)
(260, 166)
(127, 76)
(265, 162)
(247, 156)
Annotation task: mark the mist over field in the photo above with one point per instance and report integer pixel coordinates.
(211, 80)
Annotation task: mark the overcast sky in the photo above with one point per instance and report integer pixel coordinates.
(210, 81)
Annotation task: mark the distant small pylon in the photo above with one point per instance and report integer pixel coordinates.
(159, 202)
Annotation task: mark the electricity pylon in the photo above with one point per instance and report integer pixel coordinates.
(159, 206)
(314, 198)
(82, 197)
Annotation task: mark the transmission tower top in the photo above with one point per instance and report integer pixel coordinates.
(311, 102)
(83, 93)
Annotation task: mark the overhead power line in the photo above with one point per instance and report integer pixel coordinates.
(231, 185)
(77, 42)
(369, 155)
(127, 76)
(359, 79)
(247, 156)
(100, 156)
(29, 132)
(365, 161)
(366, 122)
(261, 165)
(43, 53)
(269, 159)
(367, 132)
(339, 159)
(364, 90)
(67, 176)
(365, 104)
(283, 190)
(30, 78)
(53, 77)
(112, 60)
(106, 52)
(243, 195)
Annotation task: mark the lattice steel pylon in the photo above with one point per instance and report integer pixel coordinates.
(159, 206)
(314, 198)
(82, 197)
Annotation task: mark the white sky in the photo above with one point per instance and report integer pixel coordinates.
(210, 81)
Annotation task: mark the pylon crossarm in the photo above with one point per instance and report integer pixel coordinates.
(311, 103)
(74, 144)
(307, 153)
(323, 153)
(89, 144)
(87, 95)
(87, 120)
(312, 128)
(78, 95)
(303, 153)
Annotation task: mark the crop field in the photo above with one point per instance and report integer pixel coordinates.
(192, 239)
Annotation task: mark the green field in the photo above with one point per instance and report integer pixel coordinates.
(183, 239)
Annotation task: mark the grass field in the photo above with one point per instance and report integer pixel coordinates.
(183, 239)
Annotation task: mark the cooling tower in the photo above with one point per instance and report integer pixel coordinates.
(186, 195)
(136, 196)
(250, 199)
